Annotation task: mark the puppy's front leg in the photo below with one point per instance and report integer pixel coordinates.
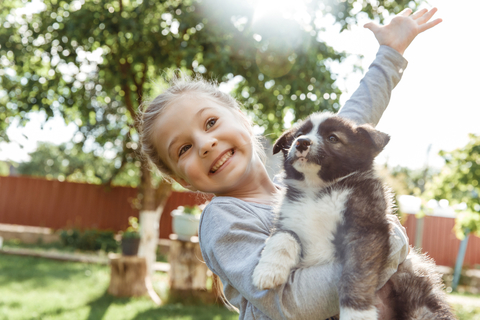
(281, 253)
(364, 259)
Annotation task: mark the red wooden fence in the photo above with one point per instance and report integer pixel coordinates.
(57, 205)
(440, 242)
(54, 204)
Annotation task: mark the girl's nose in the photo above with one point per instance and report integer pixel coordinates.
(207, 146)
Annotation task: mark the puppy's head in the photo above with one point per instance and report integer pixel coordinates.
(328, 147)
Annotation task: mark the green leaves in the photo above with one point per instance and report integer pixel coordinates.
(459, 182)
(95, 61)
(68, 162)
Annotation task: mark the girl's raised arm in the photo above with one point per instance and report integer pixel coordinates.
(370, 100)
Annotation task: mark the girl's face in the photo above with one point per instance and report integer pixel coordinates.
(207, 145)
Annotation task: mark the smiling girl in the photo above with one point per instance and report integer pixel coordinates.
(197, 135)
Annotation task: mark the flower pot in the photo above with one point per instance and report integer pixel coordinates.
(184, 225)
(130, 246)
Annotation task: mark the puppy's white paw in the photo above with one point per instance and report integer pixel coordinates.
(268, 275)
(352, 314)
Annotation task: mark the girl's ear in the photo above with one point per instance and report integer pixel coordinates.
(184, 183)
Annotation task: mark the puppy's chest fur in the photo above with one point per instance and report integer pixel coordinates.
(322, 217)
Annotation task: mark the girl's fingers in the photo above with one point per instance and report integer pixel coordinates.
(429, 25)
(427, 16)
(406, 12)
(419, 13)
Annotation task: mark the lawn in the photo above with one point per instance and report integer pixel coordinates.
(467, 312)
(36, 288)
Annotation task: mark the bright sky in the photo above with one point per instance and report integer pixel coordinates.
(435, 103)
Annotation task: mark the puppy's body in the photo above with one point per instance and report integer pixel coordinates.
(334, 208)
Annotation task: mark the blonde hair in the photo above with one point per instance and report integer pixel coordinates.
(182, 84)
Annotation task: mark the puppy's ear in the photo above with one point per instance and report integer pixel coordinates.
(282, 142)
(376, 138)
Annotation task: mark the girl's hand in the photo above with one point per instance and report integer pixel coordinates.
(403, 28)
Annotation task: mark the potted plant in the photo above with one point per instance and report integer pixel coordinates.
(131, 238)
(185, 220)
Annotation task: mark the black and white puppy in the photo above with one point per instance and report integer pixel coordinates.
(334, 208)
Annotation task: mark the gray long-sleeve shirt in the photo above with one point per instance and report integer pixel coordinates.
(233, 232)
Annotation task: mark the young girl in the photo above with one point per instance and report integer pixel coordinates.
(198, 136)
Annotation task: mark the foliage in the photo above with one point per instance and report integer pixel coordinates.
(4, 168)
(69, 162)
(94, 62)
(36, 288)
(133, 229)
(89, 240)
(193, 210)
(458, 182)
(70, 237)
(413, 180)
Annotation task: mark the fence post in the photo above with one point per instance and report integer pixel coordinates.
(419, 232)
(459, 263)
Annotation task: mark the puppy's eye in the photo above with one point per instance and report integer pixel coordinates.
(298, 134)
(333, 138)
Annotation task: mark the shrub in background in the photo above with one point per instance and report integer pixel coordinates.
(89, 240)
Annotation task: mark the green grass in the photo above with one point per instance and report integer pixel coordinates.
(58, 246)
(14, 244)
(36, 288)
(466, 312)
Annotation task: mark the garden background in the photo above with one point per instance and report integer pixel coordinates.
(74, 73)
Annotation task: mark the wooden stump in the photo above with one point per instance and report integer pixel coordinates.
(188, 273)
(128, 276)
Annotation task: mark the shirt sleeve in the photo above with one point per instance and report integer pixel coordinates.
(370, 100)
(232, 240)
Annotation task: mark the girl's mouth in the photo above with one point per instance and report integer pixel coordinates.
(222, 161)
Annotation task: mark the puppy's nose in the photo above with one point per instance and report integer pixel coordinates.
(303, 144)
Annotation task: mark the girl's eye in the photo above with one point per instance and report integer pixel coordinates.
(210, 123)
(184, 149)
(333, 138)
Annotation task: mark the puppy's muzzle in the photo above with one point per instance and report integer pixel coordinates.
(302, 146)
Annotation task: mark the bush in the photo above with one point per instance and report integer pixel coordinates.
(70, 237)
(89, 240)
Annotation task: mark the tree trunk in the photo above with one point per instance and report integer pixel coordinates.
(188, 273)
(149, 226)
(147, 191)
(127, 277)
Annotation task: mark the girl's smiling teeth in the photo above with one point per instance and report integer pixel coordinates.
(222, 160)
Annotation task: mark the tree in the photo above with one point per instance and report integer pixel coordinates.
(458, 182)
(93, 62)
(4, 168)
(408, 181)
(68, 162)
